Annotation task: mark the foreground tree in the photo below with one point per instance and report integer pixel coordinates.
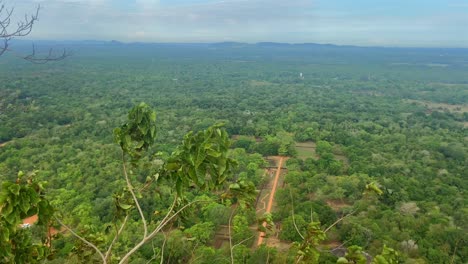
(19, 200)
(200, 162)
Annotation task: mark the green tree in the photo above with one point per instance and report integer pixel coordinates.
(200, 161)
(19, 200)
(202, 232)
(288, 228)
(353, 255)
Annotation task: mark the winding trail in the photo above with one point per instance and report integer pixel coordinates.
(271, 198)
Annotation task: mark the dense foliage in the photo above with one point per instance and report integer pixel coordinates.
(393, 117)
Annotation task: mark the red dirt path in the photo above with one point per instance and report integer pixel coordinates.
(272, 196)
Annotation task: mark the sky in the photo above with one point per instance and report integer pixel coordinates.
(394, 23)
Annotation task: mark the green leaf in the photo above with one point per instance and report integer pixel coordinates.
(24, 204)
(14, 189)
(342, 261)
(171, 166)
(33, 197)
(7, 210)
(213, 153)
(5, 234)
(125, 206)
(234, 186)
(12, 218)
(179, 186)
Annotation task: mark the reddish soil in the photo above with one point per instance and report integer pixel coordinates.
(33, 219)
(271, 198)
(30, 220)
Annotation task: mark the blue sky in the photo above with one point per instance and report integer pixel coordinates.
(428, 23)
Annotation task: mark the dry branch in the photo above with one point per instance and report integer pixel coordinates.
(22, 28)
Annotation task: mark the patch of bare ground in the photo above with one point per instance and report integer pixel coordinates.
(331, 244)
(306, 150)
(33, 219)
(337, 205)
(221, 237)
(260, 83)
(432, 106)
(274, 241)
(455, 85)
(265, 200)
(4, 144)
(306, 144)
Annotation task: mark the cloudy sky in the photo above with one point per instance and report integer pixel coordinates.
(425, 23)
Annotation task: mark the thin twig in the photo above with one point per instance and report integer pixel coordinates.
(340, 246)
(109, 250)
(163, 221)
(294, 220)
(242, 241)
(339, 220)
(23, 28)
(166, 220)
(154, 254)
(130, 188)
(83, 239)
(230, 236)
(454, 251)
(162, 248)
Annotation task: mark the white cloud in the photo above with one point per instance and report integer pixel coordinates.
(242, 20)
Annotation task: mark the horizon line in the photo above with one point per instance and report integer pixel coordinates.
(242, 42)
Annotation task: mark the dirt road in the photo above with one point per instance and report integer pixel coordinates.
(271, 198)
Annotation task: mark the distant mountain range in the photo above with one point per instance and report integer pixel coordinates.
(227, 44)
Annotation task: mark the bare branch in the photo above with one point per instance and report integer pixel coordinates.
(82, 239)
(130, 188)
(340, 246)
(52, 56)
(242, 241)
(5, 46)
(21, 29)
(109, 250)
(294, 220)
(162, 248)
(454, 251)
(339, 220)
(230, 236)
(163, 223)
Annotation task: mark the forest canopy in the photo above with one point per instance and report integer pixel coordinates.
(373, 138)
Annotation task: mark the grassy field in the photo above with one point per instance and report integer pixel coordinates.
(306, 150)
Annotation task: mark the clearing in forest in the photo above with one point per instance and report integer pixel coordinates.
(266, 197)
(306, 150)
(432, 106)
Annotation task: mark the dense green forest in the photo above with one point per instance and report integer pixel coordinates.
(345, 118)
